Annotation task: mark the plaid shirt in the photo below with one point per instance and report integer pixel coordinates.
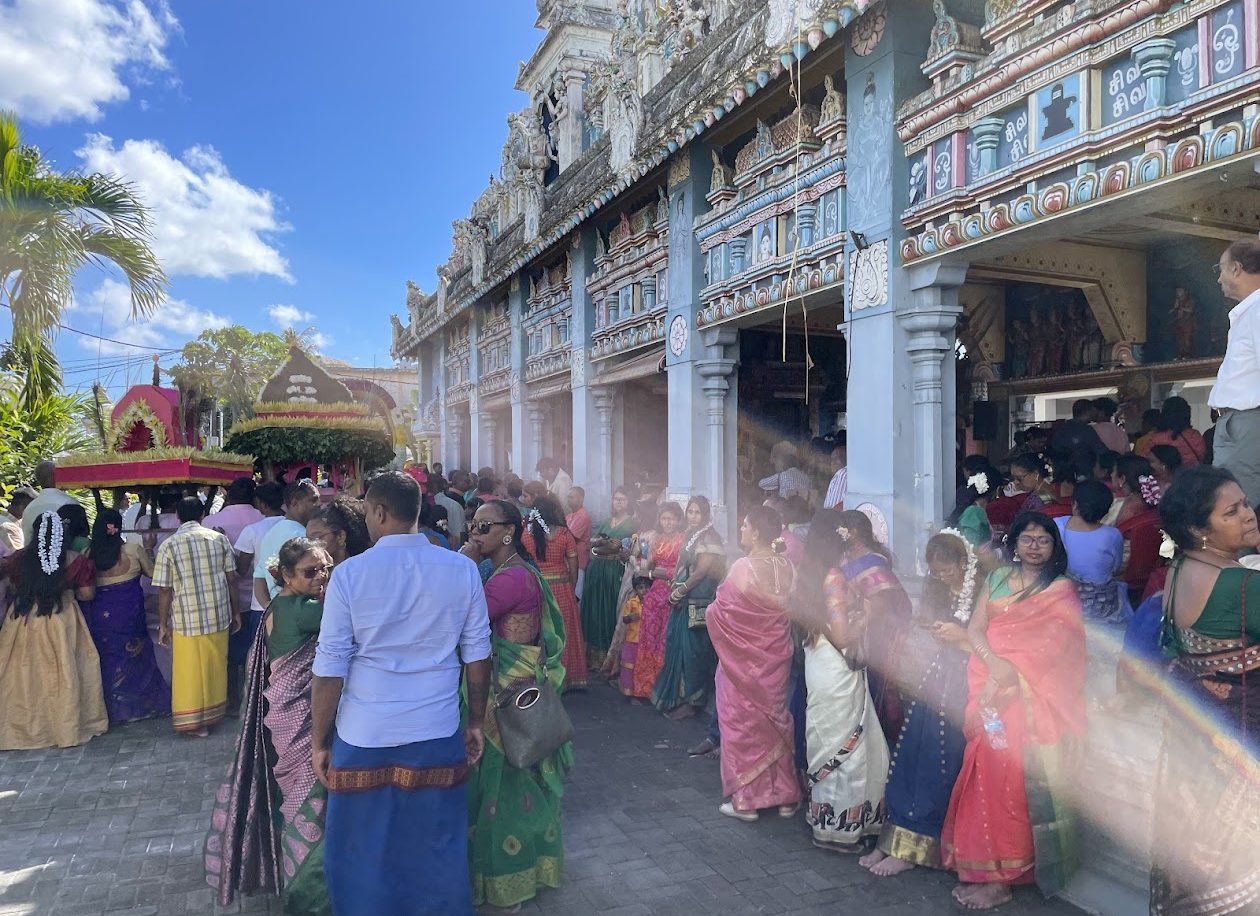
(195, 563)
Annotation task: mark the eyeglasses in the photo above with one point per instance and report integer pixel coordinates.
(484, 526)
(313, 572)
(1028, 540)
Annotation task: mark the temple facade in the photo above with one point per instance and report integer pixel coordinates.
(721, 223)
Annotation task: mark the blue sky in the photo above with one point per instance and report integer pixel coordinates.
(303, 158)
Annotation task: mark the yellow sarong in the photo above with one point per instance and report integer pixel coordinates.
(198, 680)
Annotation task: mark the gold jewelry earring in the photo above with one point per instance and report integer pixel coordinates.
(507, 539)
(1204, 547)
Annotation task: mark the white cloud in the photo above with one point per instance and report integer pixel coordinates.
(108, 313)
(65, 59)
(319, 340)
(290, 316)
(205, 222)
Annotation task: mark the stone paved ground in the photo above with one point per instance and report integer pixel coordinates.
(117, 826)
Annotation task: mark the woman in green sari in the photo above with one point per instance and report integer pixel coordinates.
(515, 843)
(603, 578)
(686, 680)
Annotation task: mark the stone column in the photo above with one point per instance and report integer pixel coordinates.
(689, 174)
(516, 353)
(537, 418)
(590, 465)
(717, 373)
(489, 442)
(930, 327)
(455, 435)
(886, 467)
(439, 389)
(599, 467)
(476, 446)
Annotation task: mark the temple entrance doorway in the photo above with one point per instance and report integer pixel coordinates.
(644, 434)
(799, 399)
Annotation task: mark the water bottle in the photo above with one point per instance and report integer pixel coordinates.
(994, 729)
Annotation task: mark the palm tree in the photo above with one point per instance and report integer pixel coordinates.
(51, 225)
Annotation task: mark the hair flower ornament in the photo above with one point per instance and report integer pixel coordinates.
(845, 533)
(964, 601)
(111, 529)
(1151, 493)
(1167, 546)
(979, 483)
(535, 517)
(49, 537)
(778, 546)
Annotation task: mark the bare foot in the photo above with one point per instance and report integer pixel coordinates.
(874, 857)
(890, 866)
(986, 896)
(682, 712)
(704, 749)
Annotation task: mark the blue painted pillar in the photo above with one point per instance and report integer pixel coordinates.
(476, 431)
(899, 329)
(516, 317)
(592, 468)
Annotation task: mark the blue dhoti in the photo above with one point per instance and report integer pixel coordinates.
(396, 841)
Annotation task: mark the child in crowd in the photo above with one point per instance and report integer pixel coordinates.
(631, 615)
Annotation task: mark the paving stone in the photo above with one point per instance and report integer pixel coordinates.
(118, 826)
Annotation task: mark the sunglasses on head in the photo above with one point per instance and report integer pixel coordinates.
(484, 526)
(312, 572)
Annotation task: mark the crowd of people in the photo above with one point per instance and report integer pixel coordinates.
(375, 650)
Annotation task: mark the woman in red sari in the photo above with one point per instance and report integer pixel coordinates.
(1137, 519)
(1025, 714)
(753, 639)
(554, 547)
(666, 547)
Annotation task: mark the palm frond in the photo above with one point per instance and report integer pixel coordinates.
(136, 260)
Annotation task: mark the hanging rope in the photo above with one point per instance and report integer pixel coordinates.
(796, 90)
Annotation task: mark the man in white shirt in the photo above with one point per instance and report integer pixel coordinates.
(11, 537)
(1236, 394)
(838, 489)
(555, 477)
(50, 499)
(401, 623)
(301, 499)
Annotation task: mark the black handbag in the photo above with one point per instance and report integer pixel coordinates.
(533, 723)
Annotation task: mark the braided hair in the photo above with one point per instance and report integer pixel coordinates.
(37, 589)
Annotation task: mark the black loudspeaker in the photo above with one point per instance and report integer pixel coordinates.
(984, 420)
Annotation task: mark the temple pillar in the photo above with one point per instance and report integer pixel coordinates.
(516, 354)
(455, 437)
(590, 459)
(930, 327)
(599, 466)
(537, 416)
(689, 445)
(883, 404)
(717, 373)
(489, 442)
(475, 427)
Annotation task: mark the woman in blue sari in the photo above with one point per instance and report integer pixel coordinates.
(928, 755)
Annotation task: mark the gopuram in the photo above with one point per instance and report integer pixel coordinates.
(722, 223)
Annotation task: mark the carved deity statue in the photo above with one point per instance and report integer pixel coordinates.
(1182, 314)
(415, 300)
(723, 175)
(444, 281)
(478, 238)
(833, 104)
(1076, 331)
(686, 18)
(624, 125)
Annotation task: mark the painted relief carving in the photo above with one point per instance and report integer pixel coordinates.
(869, 273)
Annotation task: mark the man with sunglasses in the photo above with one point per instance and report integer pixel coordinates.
(1236, 394)
(401, 622)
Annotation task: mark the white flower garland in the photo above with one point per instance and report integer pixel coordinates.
(536, 516)
(50, 553)
(979, 483)
(963, 604)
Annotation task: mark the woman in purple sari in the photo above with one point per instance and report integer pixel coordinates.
(267, 827)
(134, 687)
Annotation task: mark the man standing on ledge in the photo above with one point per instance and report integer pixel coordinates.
(398, 622)
(1236, 394)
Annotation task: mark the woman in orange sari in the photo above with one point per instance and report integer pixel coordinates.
(1025, 715)
(666, 547)
(753, 639)
(554, 547)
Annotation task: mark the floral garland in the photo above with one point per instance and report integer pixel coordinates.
(49, 553)
(695, 538)
(138, 412)
(979, 483)
(536, 517)
(964, 603)
(1167, 546)
(1151, 493)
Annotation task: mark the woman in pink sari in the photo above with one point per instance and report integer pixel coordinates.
(666, 547)
(753, 639)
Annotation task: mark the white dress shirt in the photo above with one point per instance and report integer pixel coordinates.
(398, 620)
(837, 490)
(1238, 380)
(249, 542)
(561, 485)
(49, 499)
